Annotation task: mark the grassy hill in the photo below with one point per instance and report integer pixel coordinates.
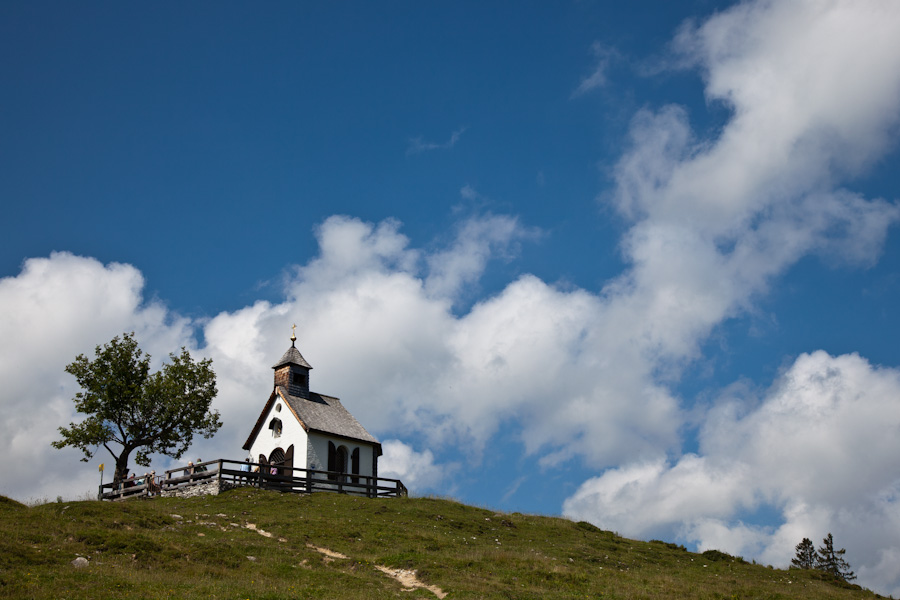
(264, 545)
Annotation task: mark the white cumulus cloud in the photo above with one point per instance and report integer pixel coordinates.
(814, 94)
(417, 470)
(819, 449)
(56, 308)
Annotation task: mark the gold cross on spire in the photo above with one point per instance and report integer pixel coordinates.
(293, 334)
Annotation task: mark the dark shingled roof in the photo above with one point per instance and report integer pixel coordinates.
(326, 414)
(320, 413)
(292, 356)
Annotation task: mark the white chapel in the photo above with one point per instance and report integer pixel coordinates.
(298, 428)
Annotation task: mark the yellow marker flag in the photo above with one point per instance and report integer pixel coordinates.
(101, 467)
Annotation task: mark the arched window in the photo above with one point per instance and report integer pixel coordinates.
(354, 464)
(337, 460)
(275, 426)
(332, 458)
(341, 460)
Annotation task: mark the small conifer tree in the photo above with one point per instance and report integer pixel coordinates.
(832, 561)
(806, 555)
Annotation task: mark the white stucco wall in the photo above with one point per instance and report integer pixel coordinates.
(291, 433)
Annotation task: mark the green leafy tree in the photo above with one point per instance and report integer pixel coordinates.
(832, 561)
(130, 409)
(806, 557)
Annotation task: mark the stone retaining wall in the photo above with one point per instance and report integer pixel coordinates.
(214, 487)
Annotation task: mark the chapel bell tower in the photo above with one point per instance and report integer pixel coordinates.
(292, 371)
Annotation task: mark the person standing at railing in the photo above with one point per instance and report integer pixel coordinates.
(190, 469)
(245, 468)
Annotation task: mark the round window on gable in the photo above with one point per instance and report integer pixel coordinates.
(278, 408)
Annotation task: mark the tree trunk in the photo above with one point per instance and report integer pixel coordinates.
(121, 473)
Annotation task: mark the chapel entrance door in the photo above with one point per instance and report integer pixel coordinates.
(276, 459)
(289, 460)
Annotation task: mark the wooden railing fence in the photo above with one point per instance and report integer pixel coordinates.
(232, 473)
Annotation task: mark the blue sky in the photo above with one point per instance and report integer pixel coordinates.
(559, 258)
